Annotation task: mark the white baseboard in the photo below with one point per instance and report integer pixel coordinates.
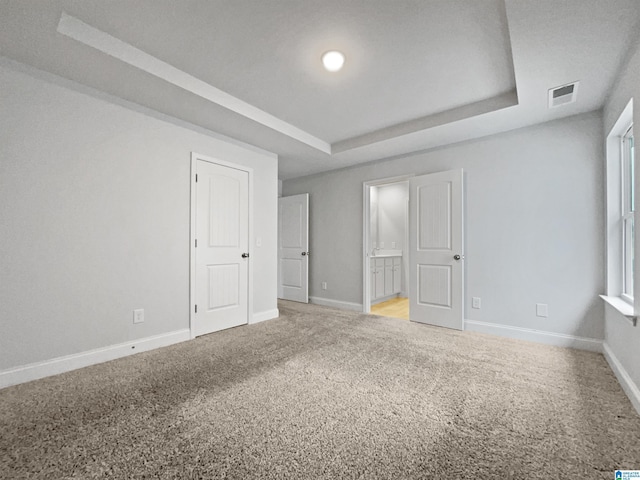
(34, 371)
(629, 387)
(266, 315)
(538, 336)
(327, 302)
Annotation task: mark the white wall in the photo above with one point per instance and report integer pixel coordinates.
(534, 223)
(94, 208)
(621, 338)
(391, 215)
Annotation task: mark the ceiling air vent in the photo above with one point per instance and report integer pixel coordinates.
(563, 94)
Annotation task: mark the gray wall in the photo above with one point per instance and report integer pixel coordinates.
(94, 209)
(621, 337)
(533, 220)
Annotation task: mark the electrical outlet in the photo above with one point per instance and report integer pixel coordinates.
(542, 310)
(138, 315)
(476, 302)
(324, 285)
(393, 245)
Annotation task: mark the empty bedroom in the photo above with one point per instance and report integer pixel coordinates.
(305, 239)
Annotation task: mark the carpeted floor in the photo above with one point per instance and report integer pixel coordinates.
(326, 394)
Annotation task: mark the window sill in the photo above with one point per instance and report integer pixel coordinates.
(621, 306)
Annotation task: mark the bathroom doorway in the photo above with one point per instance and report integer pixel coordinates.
(386, 246)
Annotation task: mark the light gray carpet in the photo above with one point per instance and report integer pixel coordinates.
(326, 394)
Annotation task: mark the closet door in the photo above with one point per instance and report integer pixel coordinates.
(222, 247)
(293, 248)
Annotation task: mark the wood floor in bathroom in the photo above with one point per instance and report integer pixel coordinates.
(396, 308)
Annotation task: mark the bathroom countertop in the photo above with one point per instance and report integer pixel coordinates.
(382, 253)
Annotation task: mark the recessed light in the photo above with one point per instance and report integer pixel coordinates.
(333, 60)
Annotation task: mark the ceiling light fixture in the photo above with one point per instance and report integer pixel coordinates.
(333, 60)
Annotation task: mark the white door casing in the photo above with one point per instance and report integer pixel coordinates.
(293, 248)
(436, 249)
(220, 288)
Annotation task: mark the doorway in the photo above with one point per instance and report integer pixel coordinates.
(432, 256)
(386, 245)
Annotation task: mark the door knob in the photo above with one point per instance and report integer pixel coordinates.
(245, 255)
(304, 253)
(456, 257)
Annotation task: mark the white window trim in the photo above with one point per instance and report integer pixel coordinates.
(615, 295)
(621, 306)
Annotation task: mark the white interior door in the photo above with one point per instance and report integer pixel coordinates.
(222, 247)
(436, 249)
(293, 248)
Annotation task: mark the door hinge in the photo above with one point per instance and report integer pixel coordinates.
(196, 243)
(196, 178)
(196, 308)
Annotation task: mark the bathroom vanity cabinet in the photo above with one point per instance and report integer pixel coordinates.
(386, 276)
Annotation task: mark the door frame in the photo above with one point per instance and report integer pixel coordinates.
(195, 157)
(366, 230)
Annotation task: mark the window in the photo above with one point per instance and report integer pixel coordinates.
(620, 221)
(628, 207)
